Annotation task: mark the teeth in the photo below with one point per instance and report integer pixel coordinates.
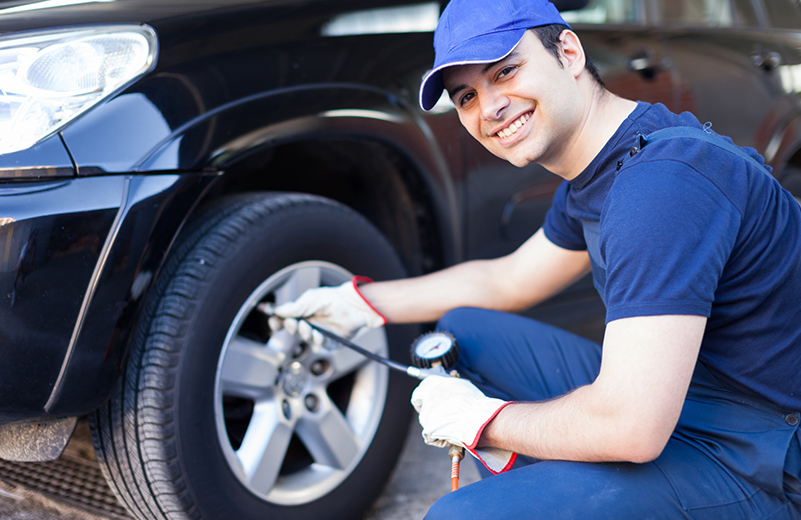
(513, 127)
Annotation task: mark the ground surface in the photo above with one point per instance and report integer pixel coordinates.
(421, 477)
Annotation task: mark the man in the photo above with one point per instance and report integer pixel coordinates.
(691, 407)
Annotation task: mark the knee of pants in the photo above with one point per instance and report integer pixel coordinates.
(443, 509)
(516, 358)
(455, 319)
(470, 328)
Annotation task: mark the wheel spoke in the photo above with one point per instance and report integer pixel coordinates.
(264, 447)
(328, 436)
(344, 360)
(297, 283)
(250, 368)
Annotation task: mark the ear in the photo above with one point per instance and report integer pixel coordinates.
(572, 52)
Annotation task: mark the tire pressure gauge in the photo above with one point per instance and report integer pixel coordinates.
(430, 350)
(435, 348)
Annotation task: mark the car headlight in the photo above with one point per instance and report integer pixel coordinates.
(49, 78)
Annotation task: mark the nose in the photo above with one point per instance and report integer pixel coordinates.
(493, 104)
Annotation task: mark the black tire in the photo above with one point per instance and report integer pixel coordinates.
(206, 384)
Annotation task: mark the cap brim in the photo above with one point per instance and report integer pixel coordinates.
(486, 49)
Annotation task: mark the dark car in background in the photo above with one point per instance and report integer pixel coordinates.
(167, 165)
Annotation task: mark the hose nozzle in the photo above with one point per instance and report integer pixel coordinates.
(456, 453)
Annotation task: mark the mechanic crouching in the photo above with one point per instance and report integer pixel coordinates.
(690, 408)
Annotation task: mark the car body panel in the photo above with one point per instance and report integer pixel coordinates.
(712, 89)
(110, 239)
(48, 159)
(48, 259)
(151, 211)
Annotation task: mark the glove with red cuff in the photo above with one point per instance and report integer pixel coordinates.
(454, 411)
(342, 310)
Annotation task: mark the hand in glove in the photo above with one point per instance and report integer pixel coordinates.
(454, 411)
(342, 310)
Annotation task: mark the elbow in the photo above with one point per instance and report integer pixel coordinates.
(644, 453)
(643, 445)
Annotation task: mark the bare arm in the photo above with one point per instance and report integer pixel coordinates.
(537, 270)
(628, 413)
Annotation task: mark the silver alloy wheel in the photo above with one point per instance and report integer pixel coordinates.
(295, 419)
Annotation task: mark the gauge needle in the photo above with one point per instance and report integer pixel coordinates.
(435, 347)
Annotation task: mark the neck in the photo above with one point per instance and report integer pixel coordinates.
(601, 117)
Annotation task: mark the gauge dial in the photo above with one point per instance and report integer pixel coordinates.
(435, 348)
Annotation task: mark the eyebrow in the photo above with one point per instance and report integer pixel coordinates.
(455, 90)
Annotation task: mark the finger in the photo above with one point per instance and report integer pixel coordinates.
(291, 309)
(275, 323)
(291, 325)
(439, 443)
(317, 338)
(417, 399)
(304, 330)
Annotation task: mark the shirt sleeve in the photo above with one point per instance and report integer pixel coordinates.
(559, 227)
(666, 234)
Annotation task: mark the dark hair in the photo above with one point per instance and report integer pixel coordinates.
(549, 36)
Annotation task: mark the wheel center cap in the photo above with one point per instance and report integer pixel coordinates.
(295, 379)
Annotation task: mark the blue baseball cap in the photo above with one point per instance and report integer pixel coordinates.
(481, 31)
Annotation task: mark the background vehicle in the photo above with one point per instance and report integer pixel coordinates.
(167, 165)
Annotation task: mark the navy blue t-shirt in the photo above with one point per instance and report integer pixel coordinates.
(688, 227)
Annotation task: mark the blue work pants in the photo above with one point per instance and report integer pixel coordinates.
(730, 457)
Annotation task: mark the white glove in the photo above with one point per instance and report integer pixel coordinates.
(454, 411)
(342, 310)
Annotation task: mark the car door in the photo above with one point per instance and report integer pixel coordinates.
(726, 67)
(784, 19)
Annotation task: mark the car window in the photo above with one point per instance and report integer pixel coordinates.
(606, 12)
(715, 13)
(706, 13)
(744, 13)
(385, 20)
(783, 14)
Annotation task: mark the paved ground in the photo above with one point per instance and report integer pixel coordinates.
(421, 477)
(19, 503)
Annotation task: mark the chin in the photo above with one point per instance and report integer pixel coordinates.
(511, 159)
(519, 162)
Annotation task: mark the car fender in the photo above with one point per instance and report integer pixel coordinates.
(130, 134)
(317, 111)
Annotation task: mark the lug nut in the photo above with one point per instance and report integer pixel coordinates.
(312, 403)
(286, 409)
(319, 367)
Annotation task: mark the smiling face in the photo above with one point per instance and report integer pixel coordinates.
(527, 107)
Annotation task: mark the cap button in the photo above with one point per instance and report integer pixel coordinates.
(791, 419)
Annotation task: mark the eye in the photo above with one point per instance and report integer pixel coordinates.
(506, 71)
(464, 99)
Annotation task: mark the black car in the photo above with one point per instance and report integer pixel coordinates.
(168, 165)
